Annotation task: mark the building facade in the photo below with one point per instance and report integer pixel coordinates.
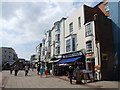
(8, 55)
(84, 31)
(115, 17)
(38, 51)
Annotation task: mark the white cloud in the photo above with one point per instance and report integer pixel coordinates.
(25, 22)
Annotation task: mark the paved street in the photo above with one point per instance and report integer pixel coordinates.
(34, 81)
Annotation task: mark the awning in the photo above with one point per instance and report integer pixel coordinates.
(54, 61)
(69, 60)
(34, 61)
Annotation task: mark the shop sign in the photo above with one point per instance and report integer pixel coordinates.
(79, 53)
(104, 56)
(97, 67)
(88, 55)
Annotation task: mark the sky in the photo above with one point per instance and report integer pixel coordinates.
(25, 22)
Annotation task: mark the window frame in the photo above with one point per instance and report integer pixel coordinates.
(88, 30)
(68, 45)
(106, 7)
(79, 22)
(71, 27)
(88, 47)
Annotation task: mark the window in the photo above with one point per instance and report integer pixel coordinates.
(43, 52)
(57, 26)
(43, 42)
(5, 56)
(49, 34)
(57, 37)
(57, 50)
(88, 30)
(9, 57)
(73, 44)
(106, 8)
(5, 51)
(49, 43)
(79, 22)
(49, 55)
(68, 45)
(89, 46)
(71, 27)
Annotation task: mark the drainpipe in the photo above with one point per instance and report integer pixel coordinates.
(99, 59)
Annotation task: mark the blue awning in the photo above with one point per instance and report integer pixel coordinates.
(69, 60)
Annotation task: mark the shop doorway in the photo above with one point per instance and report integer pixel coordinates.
(91, 64)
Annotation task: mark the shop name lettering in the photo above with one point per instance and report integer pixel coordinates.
(72, 54)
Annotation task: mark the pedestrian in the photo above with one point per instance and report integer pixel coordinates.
(38, 69)
(16, 68)
(41, 71)
(32, 67)
(26, 70)
(46, 71)
(11, 69)
(70, 71)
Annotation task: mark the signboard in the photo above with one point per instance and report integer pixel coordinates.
(97, 67)
(91, 76)
(78, 53)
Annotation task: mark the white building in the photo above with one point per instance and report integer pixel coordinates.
(57, 39)
(44, 48)
(85, 30)
(74, 31)
(8, 55)
(38, 52)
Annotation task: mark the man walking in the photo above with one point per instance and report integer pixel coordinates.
(16, 68)
(26, 70)
(70, 73)
(11, 69)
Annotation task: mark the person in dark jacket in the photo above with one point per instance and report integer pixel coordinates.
(11, 69)
(70, 71)
(38, 69)
(16, 68)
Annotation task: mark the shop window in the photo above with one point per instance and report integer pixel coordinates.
(68, 45)
(88, 30)
(71, 27)
(89, 46)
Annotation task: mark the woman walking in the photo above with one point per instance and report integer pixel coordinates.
(41, 71)
(46, 71)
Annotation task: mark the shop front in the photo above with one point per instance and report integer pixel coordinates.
(75, 59)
